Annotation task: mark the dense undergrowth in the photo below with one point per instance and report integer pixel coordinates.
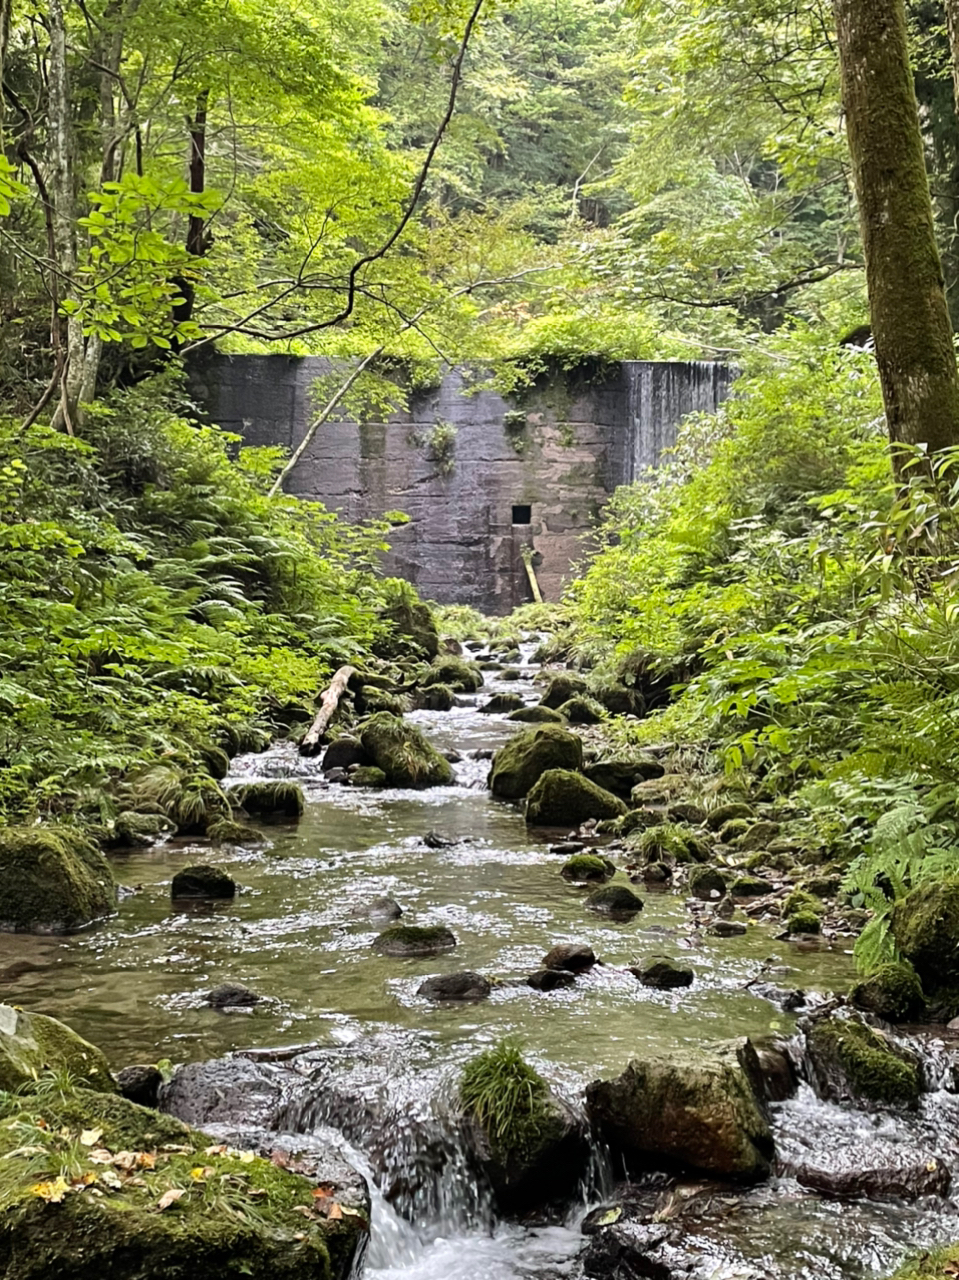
(156, 606)
(802, 608)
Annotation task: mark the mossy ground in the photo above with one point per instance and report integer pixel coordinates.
(935, 1265)
(93, 1184)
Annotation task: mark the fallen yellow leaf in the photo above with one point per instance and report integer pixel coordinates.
(90, 1137)
(170, 1197)
(125, 1160)
(52, 1192)
(100, 1155)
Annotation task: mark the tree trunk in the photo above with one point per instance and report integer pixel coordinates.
(5, 9)
(910, 321)
(310, 744)
(952, 22)
(78, 374)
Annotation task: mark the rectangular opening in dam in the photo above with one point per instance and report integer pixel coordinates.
(522, 515)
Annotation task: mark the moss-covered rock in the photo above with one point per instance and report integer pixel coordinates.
(404, 754)
(561, 688)
(804, 922)
(706, 882)
(925, 925)
(799, 900)
(586, 868)
(618, 776)
(618, 699)
(561, 798)
(932, 1264)
(528, 1142)
(456, 673)
(659, 790)
(226, 831)
(438, 697)
(269, 799)
(537, 715)
(717, 818)
(759, 836)
(525, 758)
(150, 1199)
(411, 628)
(367, 775)
(215, 760)
(52, 880)
(501, 704)
(893, 992)
(731, 832)
(696, 1109)
(668, 842)
(203, 881)
(750, 887)
(615, 900)
(31, 1043)
(582, 711)
(139, 830)
(371, 700)
(849, 1061)
(414, 940)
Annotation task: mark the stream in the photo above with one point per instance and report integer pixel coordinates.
(299, 935)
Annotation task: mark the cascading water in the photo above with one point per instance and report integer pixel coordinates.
(659, 395)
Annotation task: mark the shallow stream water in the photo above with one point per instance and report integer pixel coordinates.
(298, 935)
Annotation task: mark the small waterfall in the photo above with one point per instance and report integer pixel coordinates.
(659, 395)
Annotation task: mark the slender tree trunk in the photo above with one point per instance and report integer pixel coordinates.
(5, 8)
(196, 240)
(914, 348)
(952, 22)
(78, 374)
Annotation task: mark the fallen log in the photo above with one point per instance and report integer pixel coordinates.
(311, 742)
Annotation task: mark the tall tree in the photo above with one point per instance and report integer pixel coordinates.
(913, 335)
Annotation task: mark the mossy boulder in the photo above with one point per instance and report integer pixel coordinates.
(731, 832)
(501, 704)
(694, 1109)
(133, 830)
(519, 764)
(750, 887)
(456, 673)
(800, 900)
(668, 842)
(367, 775)
(404, 754)
(893, 992)
(850, 1062)
(925, 925)
(618, 776)
(561, 798)
(370, 700)
(203, 881)
(150, 1199)
(561, 688)
(438, 697)
(717, 818)
(31, 1043)
(582, 711)
(759, 836)
(659, 790)
(414, 940)
(619, 699)
(537, 715)
(615, 900)
(706, 883)
(52, 880)
(804, 922)
(586, 868)
(410, 627)
(530, 1144)
(278, 799)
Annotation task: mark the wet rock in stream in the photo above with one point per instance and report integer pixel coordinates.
(140, 1084)
(701, 1109)
(576, 957)
(665, 975)
(414, 940)
(455, 986)
(551, 979)
(202, 881)
(231, 995)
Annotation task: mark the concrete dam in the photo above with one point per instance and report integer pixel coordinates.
(481, 478)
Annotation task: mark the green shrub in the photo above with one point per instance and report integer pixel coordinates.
(507, 1099)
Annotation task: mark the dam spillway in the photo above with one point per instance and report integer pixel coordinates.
(481, 477)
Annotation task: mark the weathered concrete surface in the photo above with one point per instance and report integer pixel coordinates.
(579, 442)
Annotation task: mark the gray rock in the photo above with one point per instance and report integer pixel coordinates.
(229, 1091)
(550, 979)
(665, 975)
(203, 882)
(231, 995)
(343, 753)
(140, 1084)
